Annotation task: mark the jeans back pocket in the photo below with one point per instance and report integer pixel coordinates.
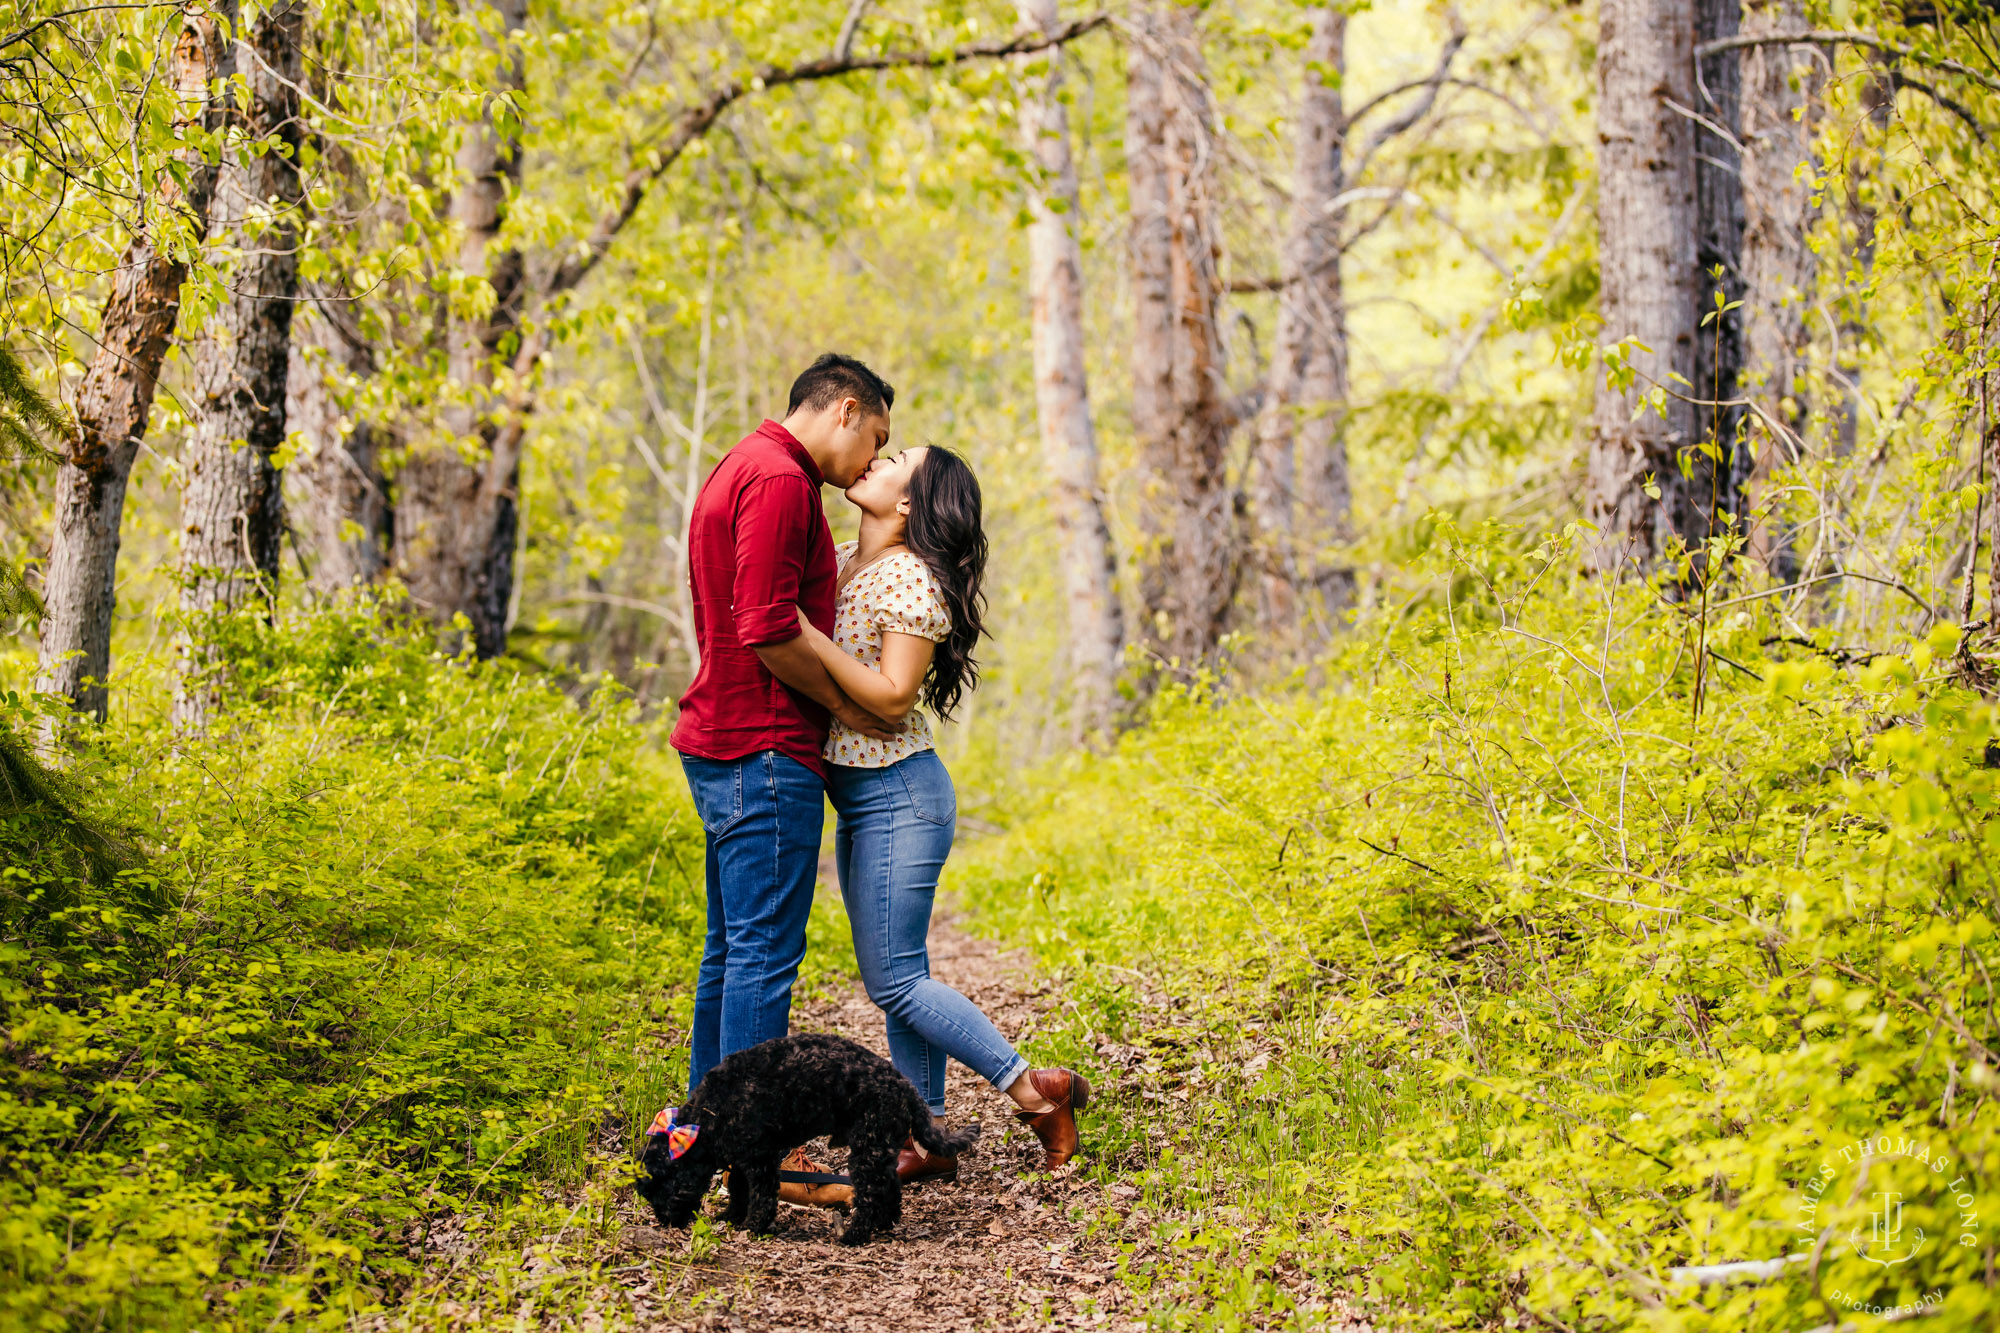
(928, 783)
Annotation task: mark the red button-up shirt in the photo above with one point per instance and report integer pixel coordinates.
(759, 549)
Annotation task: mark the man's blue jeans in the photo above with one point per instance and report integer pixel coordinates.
(763, 814)
(896, 826)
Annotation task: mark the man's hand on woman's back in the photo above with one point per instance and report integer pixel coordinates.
(794, 662)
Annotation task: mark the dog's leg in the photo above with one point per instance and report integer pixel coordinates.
(760, 1180)
(739, 1199)
(878, 1195)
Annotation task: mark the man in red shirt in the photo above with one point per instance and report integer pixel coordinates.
(753, 721)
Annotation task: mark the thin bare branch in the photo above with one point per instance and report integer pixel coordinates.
(695, 121)
(1846, 38)
(1420, 108)
(48, 20)
(1945, 100)
(843, 45)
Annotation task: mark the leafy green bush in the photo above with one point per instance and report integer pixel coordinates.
(1491, 982)
(397, 942)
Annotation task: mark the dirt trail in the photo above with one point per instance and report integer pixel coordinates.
(1001, 1248)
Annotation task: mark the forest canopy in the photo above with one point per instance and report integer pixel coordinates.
(1495, 613)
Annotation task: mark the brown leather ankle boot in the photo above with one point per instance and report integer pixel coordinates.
(914, 1165)
(1056, 1128)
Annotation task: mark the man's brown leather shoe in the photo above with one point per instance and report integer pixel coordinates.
(828, 1191)
(912, 1165)
(1070, 1092)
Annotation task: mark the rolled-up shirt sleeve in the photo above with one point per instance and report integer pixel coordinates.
(773, 532)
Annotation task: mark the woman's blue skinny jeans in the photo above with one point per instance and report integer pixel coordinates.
(895, 830)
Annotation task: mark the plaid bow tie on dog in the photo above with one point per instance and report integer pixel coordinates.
(679, 1137)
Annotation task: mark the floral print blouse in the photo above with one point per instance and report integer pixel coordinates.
(897, 594)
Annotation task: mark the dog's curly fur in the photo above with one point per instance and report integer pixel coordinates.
(759, 1104)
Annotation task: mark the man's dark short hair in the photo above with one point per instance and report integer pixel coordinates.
(834, 377)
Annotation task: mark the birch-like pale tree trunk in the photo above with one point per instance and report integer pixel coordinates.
(1646, 252)
(1781, 90)
(1151, 264)
(456, 520)
(1095, 621)
(116, 396)
(336, 491)
(1186, 417)
(232, 509)
(1299, 493)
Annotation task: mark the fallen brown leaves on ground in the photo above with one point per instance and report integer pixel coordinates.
(1004, 1247)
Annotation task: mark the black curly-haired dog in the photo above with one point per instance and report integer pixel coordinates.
(759, 1104)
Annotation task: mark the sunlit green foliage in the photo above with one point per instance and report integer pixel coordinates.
(1499, 978)
(1500, 984)
(408, 936)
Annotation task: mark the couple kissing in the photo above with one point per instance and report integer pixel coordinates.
(817, 665)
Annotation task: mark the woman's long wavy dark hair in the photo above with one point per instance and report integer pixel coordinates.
(944, 528)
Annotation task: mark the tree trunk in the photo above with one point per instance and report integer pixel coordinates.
(1204, 549)
(232, 511)
(1300, 496)
(1646, 247)
(1780, 90)
(1718, 349)
(1062, 395)
(456, 520)
(337, 494)
(1989, 444)
(1989, 447)
(1152, 263)
(116, 397)
(1194, 558)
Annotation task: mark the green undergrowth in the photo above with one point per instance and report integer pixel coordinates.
(383, 970)
(1484, 983)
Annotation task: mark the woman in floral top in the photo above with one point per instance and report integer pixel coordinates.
(906, 619)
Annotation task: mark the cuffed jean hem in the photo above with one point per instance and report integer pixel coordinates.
(1014, 1071)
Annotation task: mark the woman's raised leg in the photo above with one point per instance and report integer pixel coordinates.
(899, 822)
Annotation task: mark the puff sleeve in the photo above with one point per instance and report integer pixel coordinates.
(909, 600)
